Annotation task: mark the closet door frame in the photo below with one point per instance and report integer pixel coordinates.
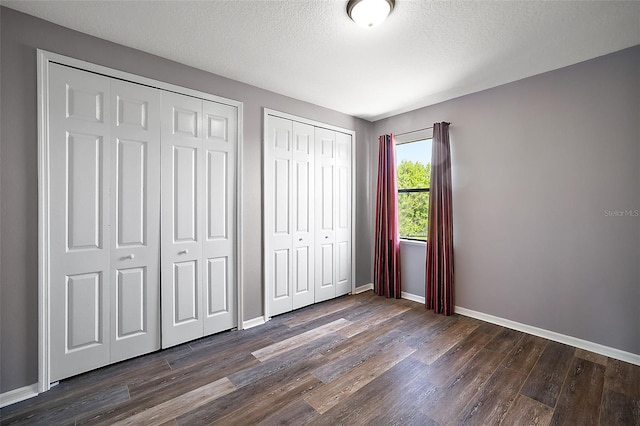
(44, 59)
(266, 214)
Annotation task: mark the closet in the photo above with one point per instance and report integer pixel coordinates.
(135, 177)
(307, 211)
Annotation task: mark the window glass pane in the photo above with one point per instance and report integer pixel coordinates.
(413, 164)
(413, 168)
(412, 215)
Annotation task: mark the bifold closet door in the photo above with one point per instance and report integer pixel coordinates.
(303, 289)
(220, 127)
(325, 229)
(343, 214)
(104, 202)
(289, 220)
(182, 221)
(135, 220)
(333, 214)
(278, 220)
(199, 142)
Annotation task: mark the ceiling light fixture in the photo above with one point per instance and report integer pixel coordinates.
(369, 13)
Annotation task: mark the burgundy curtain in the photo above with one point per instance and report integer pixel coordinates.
(387, 248)
(439, 277)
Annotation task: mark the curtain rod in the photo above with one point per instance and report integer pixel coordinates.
(414, 131)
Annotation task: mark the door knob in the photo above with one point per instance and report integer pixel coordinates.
(185, 251)
(326, 237)
(131, 256)
(299, 239)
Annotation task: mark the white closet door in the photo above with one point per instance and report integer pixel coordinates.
(219, 243)
(135, 224)
(303, 215)
(278, 220)
(79, 221)
(325, 186)
(343, 214)
(182, 221)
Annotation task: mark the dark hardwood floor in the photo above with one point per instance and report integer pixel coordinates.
(355, 360)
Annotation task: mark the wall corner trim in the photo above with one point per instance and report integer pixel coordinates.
(362, 288)
(552, 335)
(254, 322)
(17, 395)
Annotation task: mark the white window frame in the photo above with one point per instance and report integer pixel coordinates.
(404, 138)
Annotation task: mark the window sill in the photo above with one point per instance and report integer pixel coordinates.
(413, 243)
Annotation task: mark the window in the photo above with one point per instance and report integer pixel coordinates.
(413, 168)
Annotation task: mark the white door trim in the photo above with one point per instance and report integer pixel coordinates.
(271, 112)
(44, 59)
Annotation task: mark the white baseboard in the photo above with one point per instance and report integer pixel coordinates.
(552, 335)
(362, 288)
(412, 297)
(18, 395)
(254, 322)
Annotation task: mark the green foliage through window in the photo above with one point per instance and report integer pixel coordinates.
(414, 178)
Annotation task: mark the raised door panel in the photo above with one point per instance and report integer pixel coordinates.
(325, 215)
(278, 214)
(182, 159)
(131, 306)
(220, 144)
(79, 111)
(303, 289)
(343, 207)
(185, 293)
(135, 230)
(185, 184)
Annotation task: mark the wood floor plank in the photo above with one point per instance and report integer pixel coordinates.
(365, 338)
(321, 309)
(191, 376)
(623, 378)
(294, 342)
(447, 402)
(175, 407)
(274, 391)
(285, 361)
(488, 328)
(337, 367)
(396, 385)
(491, 403)
(526, 411)
(71, 391)
(166, 387)
(619, 409)
(432, 326)
(579, 402)
(327, 396)
(266, 405)
(402, 416)
(525, 354)
(297, 412)
(591, 356)
(445, 341)
(546, 378)
(66, 411)
(373, 320)
(505, 340)
(225, 349)
(444, 370)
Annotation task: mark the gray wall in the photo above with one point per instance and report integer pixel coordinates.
(536, 166)
(20, 36)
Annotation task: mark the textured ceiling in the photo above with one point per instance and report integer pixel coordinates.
(426, 52)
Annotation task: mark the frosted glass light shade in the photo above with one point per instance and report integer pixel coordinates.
(369, 13)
